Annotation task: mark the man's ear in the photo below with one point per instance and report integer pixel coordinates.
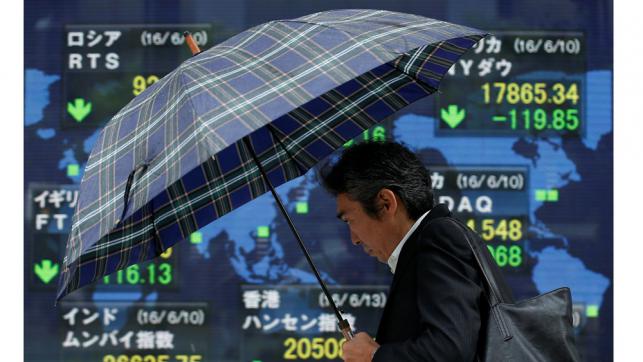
(387, 201)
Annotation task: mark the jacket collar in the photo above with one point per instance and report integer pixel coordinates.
(408, 251)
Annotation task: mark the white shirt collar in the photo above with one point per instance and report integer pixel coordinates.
(392, 260)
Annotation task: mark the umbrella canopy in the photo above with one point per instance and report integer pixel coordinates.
(174, 160)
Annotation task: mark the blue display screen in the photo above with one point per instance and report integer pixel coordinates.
(518, 142)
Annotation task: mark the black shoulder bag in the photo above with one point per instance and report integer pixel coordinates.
(535, 329)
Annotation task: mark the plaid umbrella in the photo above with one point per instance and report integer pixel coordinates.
(285, 94)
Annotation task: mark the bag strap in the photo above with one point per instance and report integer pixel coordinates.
(494, 291)
(494, 295)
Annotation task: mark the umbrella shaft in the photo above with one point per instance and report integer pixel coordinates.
(294, 230)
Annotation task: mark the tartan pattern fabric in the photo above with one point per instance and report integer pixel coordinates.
(299, 89)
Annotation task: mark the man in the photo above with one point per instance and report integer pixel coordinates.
(436, 309)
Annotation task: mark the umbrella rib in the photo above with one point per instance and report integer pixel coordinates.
(275, 135)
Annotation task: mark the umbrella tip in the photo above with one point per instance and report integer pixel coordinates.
(194, 47)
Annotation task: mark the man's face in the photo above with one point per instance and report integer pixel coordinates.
(372, 234)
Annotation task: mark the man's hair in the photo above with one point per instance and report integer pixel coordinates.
(366, 168)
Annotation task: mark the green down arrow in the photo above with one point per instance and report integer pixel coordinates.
(453, 117)
(79, 109)
(46, 270)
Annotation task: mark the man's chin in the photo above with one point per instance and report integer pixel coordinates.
(373, 256)
(376, 257)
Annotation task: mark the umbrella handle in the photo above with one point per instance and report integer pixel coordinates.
(345, 327)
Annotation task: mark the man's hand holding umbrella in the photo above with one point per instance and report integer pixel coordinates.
(360, 349)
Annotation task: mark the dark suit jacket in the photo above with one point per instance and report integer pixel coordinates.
(436, 308)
